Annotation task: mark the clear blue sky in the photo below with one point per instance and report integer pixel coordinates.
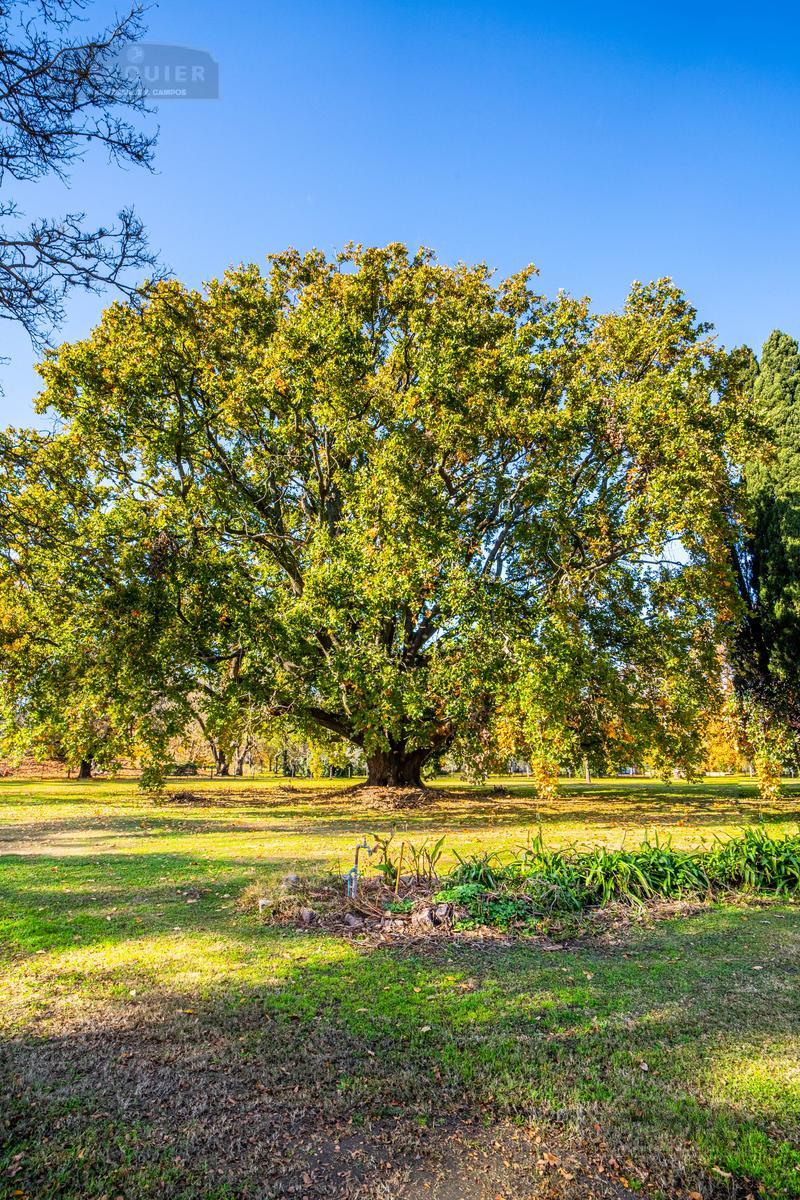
(604, 143)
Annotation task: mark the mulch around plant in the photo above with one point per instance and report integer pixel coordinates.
(384, 799)
(321, 906)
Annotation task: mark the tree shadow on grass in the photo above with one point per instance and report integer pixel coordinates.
(65, 832)
(50, 905)
(74, 838)
(387, 1073)
(609, 808)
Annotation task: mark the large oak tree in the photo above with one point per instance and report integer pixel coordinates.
(396, 501)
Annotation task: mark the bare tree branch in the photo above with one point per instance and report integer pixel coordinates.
(61, 93)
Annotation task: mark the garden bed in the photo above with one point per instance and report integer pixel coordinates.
(556, 894)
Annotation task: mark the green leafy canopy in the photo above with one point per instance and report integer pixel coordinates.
(388, 498)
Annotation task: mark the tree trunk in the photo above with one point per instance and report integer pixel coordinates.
(396, 768)
(85, 769)
(587, 774)
(240, 756)
(220, 762)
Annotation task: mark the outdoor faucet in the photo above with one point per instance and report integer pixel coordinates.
(352, 875)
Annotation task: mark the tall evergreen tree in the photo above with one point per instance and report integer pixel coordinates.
(767, 646)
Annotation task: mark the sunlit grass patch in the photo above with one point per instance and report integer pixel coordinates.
(761, 1079)
(151, 1026)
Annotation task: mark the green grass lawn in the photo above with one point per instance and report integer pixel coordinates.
(157, 1041)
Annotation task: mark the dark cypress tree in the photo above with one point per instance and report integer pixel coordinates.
(766, 655)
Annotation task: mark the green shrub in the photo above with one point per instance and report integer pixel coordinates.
(501, 909)
(637, 875)
(400, 906)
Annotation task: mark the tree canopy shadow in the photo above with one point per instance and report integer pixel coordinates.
(388, 1073)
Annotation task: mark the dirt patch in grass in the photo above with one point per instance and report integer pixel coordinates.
(355, 797)
(360, 795)
(207, 1095)
(381, 799)
(220, 798)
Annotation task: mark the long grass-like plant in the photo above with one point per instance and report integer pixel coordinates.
(538, 881)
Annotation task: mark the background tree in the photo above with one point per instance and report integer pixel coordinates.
(74, 623)
(64, 694)
(722, 741)
(630, 682)
(766, 648)
(61, 93)
(394, 493)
